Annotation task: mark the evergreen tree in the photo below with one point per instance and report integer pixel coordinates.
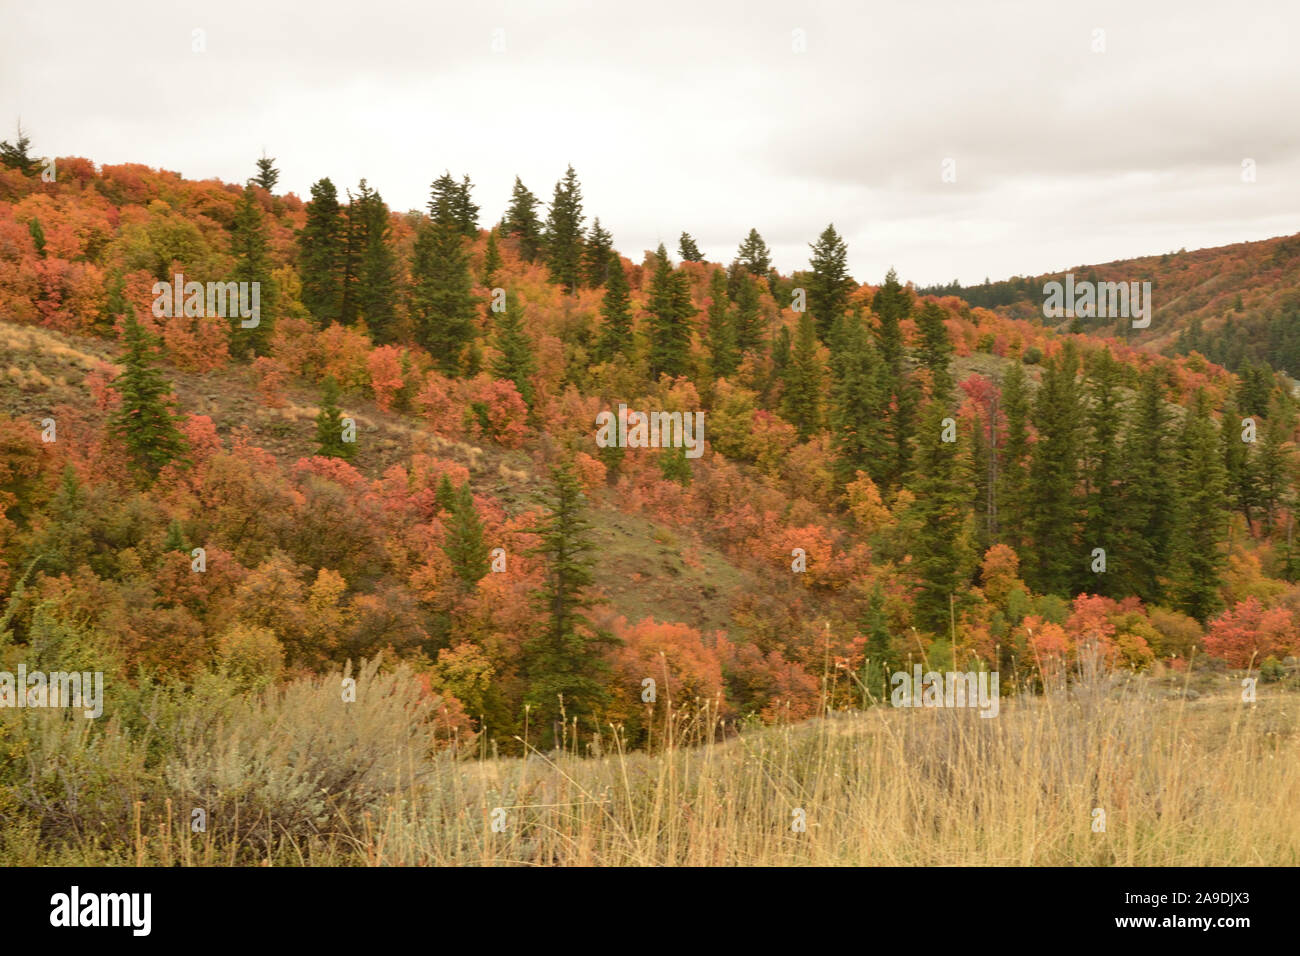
(670, 307)
(754, 255)
(445, 495)
(1148, 493)
(38, 236)
(1238, 473)
(892, 303)
(377, 292)
(321, 248)
(597, 255)
(1201, 520)
(941, 555)
(936, 349)
(175, 540)
(856, 404)
(1055, 511)
(749, 317)
(15, 156)
(514, 361)
(329, 425)
(828, 291)
(450, 205)
(564, 233)
(1103, 522)
(145, 421)
(1274, 472)
(566, 658)
(466, 209)
(252, 264)
(721, 334)
(267, 175)
(688, 250)
(521, 221)
(491, 260)
(616, 310)
(114, 301)
(464, 544)
(674, 465)
(1012, 490)
(801, 400)
(443, 308)
(355, 228)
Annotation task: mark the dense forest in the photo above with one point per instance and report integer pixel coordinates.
(890, 472)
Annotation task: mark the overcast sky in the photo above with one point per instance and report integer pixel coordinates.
(707, 116)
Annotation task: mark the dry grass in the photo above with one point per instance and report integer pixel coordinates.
(1212, 781)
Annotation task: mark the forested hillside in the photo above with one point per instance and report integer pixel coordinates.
(400, 456)
(1238, 305)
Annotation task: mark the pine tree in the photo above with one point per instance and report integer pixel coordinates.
(466, 209)
(1148, 493)
(1201, 521)
(674, 465)
(355, 228)
(38, 236)
(1055, 510)
(828, 291)
(15, 156)
(175, 540)
(321, 248)
(754, 255)
(521, 221)
(749, 317)
(329, 424)
(941, 554)
(445, 495)
(565, 659)
(936, 349)
(114, 305)
(1103, 523)
(720, 336)
(1273, 460)
(145, 420)
(597, 255)
(801, 400)
(1238, 473)
(491, 260)
(464, 544)
(670, 307)
(443, 308)
(514, 361)
(564, 233)
(267, 175)
(377, 292)
(616, 310)
(450, 205)
(1012, 490)
(252, 264)
(688, 250)
(892, 303)
(856, 404)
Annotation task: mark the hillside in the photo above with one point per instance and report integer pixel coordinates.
(398, 457)
(1237, 305)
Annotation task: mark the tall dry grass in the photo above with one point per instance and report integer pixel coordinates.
(1210, 781)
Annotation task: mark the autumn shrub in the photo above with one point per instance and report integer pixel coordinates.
(301, 761)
